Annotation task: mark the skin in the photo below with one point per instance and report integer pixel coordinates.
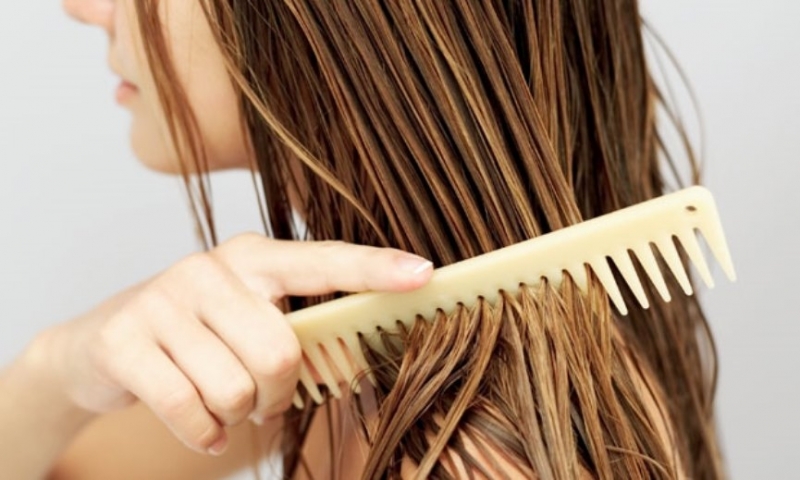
(187, 357)
(199, 66)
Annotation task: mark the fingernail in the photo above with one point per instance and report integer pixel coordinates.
(218, 447)
(413, 264)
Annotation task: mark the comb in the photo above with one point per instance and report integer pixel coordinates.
(329, 332)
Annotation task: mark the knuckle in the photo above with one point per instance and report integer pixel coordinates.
(201, 270)
(153, 300)
(283, 361)
(196, 263)
(242, 244)
(237, 397)
(109, 338)
(107, 350)
(112, 344)
(176, 406)
(243, 241)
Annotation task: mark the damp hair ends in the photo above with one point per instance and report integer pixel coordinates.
(451, 129)
(538, 384)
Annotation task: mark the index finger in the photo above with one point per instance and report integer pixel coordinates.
(316, 268)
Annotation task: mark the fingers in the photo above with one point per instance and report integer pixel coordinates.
(253, 329)
(148, 373)
(269, 349)
(204, 345)
(316, 268)
(223, 383)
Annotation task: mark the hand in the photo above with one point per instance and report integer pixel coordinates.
(204, 344)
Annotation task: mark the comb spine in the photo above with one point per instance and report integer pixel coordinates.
(652, 222)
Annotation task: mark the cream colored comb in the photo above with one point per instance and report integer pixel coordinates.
(326, 330)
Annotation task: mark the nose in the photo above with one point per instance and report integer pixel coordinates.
(93, 12)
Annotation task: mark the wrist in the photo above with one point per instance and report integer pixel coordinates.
(37, 416)
(42, 364)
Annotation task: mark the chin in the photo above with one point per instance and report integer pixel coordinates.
(157, 153)
(157, 161)
(152, 150)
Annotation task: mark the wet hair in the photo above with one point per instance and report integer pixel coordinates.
(450, 129)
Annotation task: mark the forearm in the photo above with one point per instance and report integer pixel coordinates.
(37, 418)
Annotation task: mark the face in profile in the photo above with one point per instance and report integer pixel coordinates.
(199, 66)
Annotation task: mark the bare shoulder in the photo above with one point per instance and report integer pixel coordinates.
(134, 444)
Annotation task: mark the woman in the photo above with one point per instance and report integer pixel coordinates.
(442, 128)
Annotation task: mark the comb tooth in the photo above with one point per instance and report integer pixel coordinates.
(361, 362)
(716, 242)
(308, 381)
(578, 274)
(341, 361)
(673, 260)
(648, 260)
(606, 277)
(689, 242)
(297, 401)
(623, 262)
(320, 362)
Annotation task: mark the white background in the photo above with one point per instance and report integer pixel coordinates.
(80, 219)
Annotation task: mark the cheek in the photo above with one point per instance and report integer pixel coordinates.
(215, 105)
(200, 69)
(218, 118)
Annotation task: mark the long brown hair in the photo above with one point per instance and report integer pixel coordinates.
(453, 128)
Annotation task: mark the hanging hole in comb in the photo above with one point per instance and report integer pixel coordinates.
(691, 209)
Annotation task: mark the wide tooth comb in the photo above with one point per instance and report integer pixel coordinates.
(327, 329)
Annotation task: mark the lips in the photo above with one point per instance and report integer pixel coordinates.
(126, 91)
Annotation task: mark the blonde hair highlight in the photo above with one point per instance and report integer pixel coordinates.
(454, 128)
